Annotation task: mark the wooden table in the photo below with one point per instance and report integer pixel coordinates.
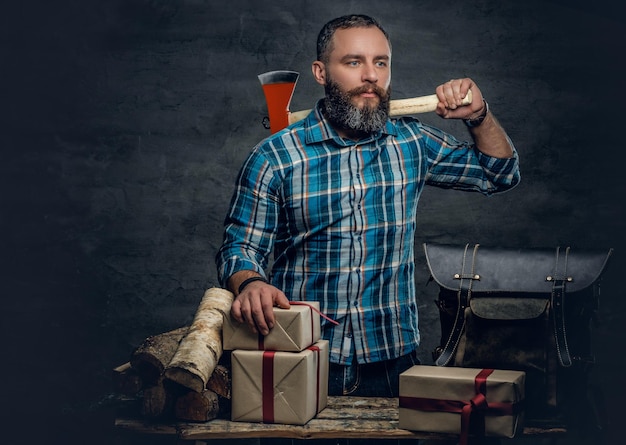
(344, 417)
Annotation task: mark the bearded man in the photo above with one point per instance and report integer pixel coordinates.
(334, 198)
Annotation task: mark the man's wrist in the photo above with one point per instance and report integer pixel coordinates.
(247, 281)
(476, 121)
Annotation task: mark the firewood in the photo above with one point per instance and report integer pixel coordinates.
(126, 380)
(157, 401)
(220, 382)
(199, 351)
(197, 407)
(152, 357)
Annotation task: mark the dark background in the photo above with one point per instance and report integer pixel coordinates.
(124, 123)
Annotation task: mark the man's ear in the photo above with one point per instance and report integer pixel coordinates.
(319, 72)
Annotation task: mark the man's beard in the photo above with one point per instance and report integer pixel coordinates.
(340, 110)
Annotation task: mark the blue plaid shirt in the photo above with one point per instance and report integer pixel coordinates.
(340, 217)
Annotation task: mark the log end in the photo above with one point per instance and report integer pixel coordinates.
(126, 380)
(147, 366)
(197, 407)
(185, 378)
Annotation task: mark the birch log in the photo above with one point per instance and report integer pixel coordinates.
(199, 351)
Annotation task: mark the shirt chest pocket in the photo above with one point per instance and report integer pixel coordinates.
(393, 189)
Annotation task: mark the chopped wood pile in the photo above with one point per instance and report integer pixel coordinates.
(182, 374)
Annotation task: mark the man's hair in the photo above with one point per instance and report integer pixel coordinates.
(325, 37)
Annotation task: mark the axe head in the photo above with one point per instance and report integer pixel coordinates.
(278, 87)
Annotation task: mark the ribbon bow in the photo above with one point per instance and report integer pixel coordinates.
(477, 405)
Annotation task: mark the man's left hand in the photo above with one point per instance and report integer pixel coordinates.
(451, 95)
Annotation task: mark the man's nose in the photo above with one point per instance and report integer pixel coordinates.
(369, 73)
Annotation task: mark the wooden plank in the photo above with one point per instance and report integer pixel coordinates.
(224, 429)
(315, 429)
(146, 427)
(389, 414)
(344, 417)
(361, 402)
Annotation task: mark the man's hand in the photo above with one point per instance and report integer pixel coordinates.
(451, 95)
(489, 136)
(255, 304)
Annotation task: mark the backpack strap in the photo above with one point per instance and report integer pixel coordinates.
(466, 277)
(559, 279)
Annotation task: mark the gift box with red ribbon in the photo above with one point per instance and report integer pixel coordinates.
(279, 387)
(294, 330)
(464, 401)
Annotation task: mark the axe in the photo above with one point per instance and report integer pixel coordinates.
(278, 88)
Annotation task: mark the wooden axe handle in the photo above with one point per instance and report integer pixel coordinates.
(398, 107)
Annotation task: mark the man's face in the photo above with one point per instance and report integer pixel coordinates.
(357, 79)
(360, 58)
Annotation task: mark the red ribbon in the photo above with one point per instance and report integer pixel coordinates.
(267, 383)
(267, 378)
(316, 351)
(326, 317)
(477, 406)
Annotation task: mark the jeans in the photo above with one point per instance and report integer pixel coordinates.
(371, 379)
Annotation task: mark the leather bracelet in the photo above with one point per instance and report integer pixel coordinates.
(471, 123)
(247, 281)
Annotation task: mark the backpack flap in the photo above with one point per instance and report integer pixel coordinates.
(499, 270)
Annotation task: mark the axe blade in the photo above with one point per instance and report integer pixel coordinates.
(278, 87)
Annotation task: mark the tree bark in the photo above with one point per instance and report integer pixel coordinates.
(158, 401)
(220, 382)
(126, 380)
(197, 407)
(199, 351)
(152, 357)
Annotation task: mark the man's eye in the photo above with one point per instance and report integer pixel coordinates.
(381, 64)
(353, 63)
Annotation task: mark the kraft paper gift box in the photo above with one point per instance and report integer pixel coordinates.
(279, 387)
(443, 400)
(294, 329)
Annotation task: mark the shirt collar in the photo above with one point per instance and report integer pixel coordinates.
(318, 129)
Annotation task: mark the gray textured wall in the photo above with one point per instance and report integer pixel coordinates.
(124, 124)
